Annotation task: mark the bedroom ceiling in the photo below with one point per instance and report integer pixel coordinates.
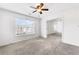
(54, 8)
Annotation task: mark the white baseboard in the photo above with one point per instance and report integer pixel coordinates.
(17, 40)
(75, 44)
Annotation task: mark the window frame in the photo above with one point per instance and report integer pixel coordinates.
(26, 32)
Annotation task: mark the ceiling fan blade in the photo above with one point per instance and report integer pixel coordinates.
(32, 7)
(45, 9)
(41, 4)
(34, 11)
(40, 12)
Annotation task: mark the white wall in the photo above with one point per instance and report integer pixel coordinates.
(50, 27)
(71, 26)
(55, 26)
(8, 27)
(43, 28)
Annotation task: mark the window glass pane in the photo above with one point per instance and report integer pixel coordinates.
(24, 26)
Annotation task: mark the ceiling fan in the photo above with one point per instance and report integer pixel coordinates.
(39, 8)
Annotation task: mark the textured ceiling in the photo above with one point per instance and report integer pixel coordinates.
(24, 8)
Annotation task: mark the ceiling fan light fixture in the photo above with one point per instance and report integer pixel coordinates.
(39, 8)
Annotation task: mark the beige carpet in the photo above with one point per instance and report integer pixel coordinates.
(39, 46)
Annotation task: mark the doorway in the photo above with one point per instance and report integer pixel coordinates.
(55, 27)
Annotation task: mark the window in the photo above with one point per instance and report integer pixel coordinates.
(24, 26)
